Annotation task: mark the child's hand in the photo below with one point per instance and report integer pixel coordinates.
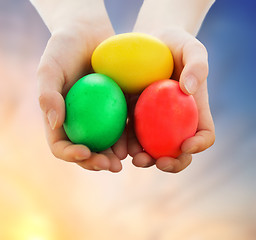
(65, 60)
(191, 70)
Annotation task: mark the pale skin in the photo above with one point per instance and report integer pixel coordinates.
(67, 56)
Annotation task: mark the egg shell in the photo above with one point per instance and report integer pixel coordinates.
(96, 112)
(164, 117)
(133, 60)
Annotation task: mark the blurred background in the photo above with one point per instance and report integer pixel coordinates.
(43, 198)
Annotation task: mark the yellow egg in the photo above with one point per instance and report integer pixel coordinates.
(133, 60)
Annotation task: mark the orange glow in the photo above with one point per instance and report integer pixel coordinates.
(32, 228)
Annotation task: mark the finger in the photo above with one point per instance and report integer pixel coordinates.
(120, 147)
(195, 71)
(53, 106)
(52, 76)
(54, 71)
(96, 162)
(200, 142)
(70, 152)
(168, 164)
(51, 81)
(143, 160)
(205, 136)
(133, 144)
(61, 147)
(115, 163)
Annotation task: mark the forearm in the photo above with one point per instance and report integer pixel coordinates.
(59, 13)
(186, 14)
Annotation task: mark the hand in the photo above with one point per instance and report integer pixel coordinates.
(66, 59)
(191, 70)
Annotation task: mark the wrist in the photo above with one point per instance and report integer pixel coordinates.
(86, 21)
(184, 14)
(60, 14)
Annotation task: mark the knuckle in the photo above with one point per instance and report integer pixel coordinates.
(202, 67)
(56, 154)
(48, 66)
(42, 99)
(200, 46)
(55, 151)
(198, 58)
(45, 66)
(65, 36)
(212, 139)
(176, 170)
(201, 49)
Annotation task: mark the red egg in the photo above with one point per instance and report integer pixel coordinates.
(164, 117)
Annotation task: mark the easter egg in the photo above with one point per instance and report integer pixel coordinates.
(164, 117)
(133, 60)
(96, 112)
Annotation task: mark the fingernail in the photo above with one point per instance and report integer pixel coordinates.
(97, 168)
(52, 118)
(191, 150)
(191, 84)
(169, 168)
(81, 158)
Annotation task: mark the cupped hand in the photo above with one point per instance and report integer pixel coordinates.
(65, 60)
(191, 70)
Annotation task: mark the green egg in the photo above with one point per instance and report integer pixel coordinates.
(96, 112)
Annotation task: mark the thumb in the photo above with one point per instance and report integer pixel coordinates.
(195, 71)
(53, 106)
(51, 81)
(66, 58)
